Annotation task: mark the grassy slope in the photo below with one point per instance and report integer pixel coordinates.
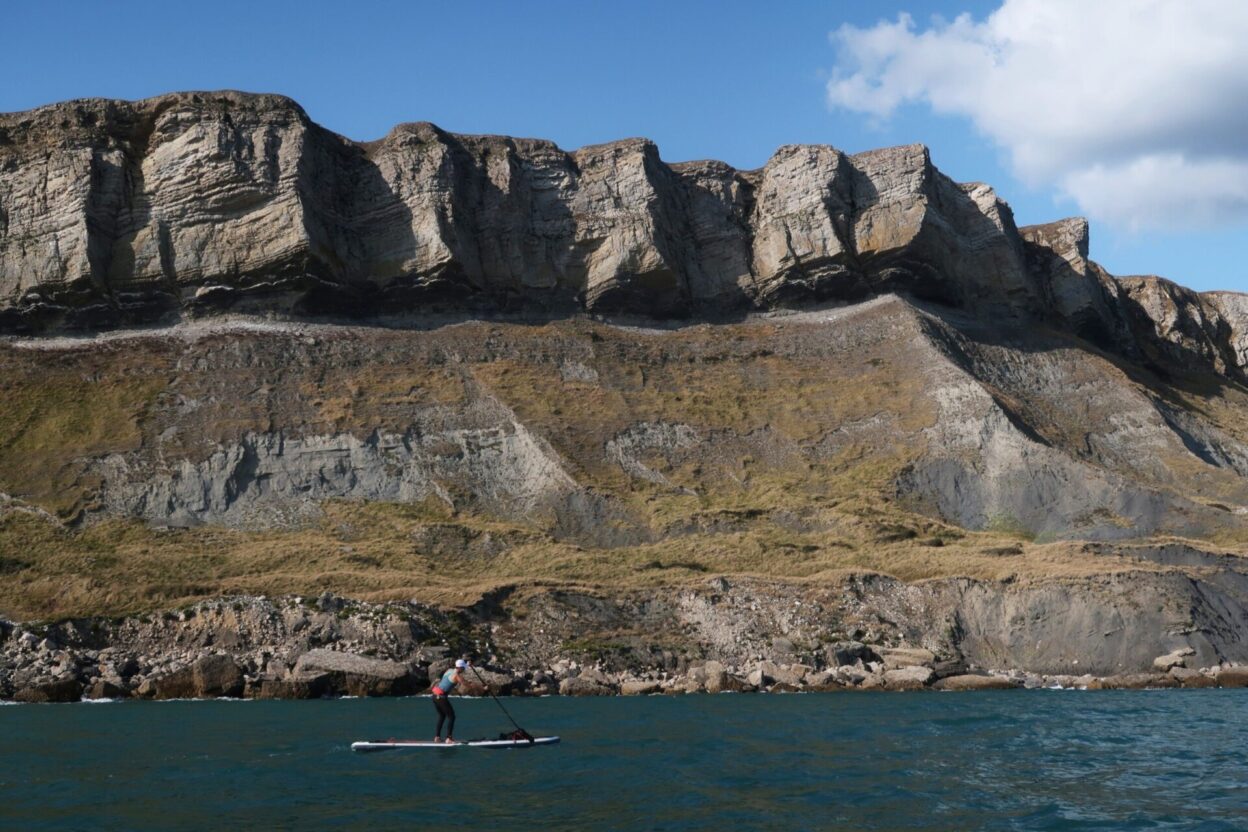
(370, 551)
(785, 494)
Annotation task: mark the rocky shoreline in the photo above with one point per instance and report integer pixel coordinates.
(301, 648)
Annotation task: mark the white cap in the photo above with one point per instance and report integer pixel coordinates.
(461, 663)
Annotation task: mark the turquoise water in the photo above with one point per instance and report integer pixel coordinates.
(991, 760)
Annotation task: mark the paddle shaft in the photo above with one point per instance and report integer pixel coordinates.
(499, 704)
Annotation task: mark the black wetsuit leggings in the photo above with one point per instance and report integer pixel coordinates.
(445, 713)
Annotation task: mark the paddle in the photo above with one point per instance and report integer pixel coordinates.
(523, 733)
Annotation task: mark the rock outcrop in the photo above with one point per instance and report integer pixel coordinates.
(118, 212)
(209, 676)
(1078, 292)
(976, 682)
(1178, 326)
(264, 649)
(356, 675)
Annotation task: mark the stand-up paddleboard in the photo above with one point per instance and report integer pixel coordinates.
(392, 745)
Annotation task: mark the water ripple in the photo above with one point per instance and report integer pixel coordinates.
(993, 760)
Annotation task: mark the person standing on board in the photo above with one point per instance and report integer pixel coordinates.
(442, 701)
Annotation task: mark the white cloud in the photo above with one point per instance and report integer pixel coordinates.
(1136, 109)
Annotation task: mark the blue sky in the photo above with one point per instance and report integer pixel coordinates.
(726, 80)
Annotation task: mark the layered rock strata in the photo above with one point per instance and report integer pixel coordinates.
(115, 212)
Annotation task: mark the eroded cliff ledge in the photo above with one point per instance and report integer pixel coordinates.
(115, 213)
(118, 211)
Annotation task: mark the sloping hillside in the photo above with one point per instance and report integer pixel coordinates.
(247, 356)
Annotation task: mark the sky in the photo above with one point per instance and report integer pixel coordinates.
(1130, 112)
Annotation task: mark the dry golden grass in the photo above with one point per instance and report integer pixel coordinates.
(53, 420)
(753, 505)
(374, 551)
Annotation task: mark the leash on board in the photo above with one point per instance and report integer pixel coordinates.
(524, 735)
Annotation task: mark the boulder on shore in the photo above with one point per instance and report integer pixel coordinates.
(970, 681)
(581, 686)
(106, 689)
(770, 673)
(1166, 663)
(294, 686)
(872, 681)
(950, 667)
(50, 690)
(717, 679)
(897, 658)
(358, 675)
(1133, 681)
(543, 684)
(1189, 678)
(784, 687)
(1233, 677)
(481, 682)
(208, 677)
(824, 681)
(847, 653)
(593, 674)
(640, 687)
(914, 677)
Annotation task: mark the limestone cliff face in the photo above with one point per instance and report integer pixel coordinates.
(1183, 327)
(1077, 291)
(114, 212)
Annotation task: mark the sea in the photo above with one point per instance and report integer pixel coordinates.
(1040, 759)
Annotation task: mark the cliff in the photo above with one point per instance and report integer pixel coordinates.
(442, 367)
(118, 212)
(115, 213)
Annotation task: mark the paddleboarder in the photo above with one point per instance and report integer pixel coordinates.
(441, 690)
(442, 699)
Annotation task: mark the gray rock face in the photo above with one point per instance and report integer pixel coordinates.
(268, 479)
(1183, 327)
(357, 675)
(1077, 291)
(211, 676)
(578, 686)
(117, 211)
(975, 682)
